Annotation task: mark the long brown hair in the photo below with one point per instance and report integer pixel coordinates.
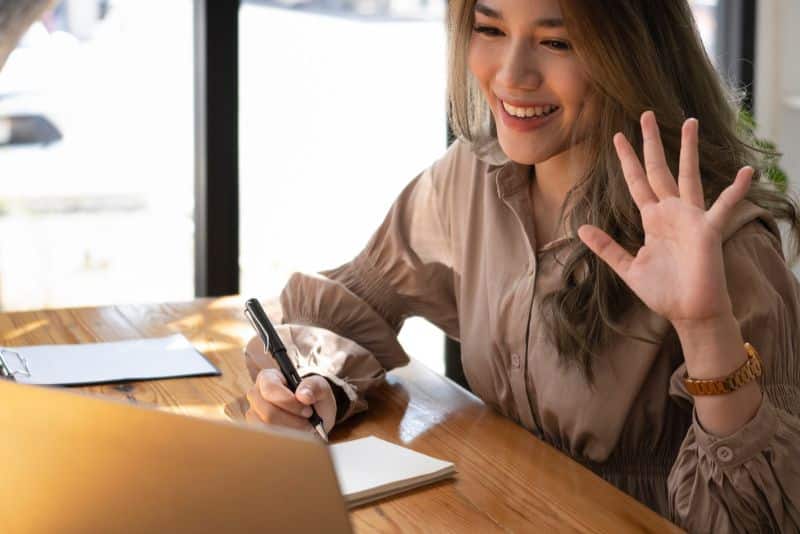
(639, 55)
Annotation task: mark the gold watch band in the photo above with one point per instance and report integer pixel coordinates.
(747, 372)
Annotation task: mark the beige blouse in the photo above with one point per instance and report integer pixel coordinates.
(458, 248)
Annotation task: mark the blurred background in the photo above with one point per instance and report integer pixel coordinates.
(97, 137)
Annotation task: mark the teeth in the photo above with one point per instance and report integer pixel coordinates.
(536, 111)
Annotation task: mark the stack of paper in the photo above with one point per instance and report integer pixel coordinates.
(370, 468)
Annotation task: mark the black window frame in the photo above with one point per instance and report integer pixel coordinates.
(216, 105)
(736, 45)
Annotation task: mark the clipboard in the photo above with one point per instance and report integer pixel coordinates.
(102, 363)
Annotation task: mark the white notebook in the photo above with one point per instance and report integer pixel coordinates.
(92, 363)
(370, 468)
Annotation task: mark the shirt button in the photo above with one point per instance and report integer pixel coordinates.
(515, 361)
(724, 454)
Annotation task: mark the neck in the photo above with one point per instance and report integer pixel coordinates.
(554, 178)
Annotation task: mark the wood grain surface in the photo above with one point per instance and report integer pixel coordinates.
(507, 479)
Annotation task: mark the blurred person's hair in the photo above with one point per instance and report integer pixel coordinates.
(639, 55)
(16, 16)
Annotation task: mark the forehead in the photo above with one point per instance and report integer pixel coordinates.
(524, 11)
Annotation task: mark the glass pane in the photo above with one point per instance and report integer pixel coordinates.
(706, 15)
(342, 104)
(96, 156)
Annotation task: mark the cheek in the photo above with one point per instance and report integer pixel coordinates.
(573, 86)
(479, 62)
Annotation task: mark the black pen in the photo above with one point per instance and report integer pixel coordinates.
(272, 343)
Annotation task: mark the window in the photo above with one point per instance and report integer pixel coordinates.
(342, 103)
(777, 78)
(96, 155)
(706, 15)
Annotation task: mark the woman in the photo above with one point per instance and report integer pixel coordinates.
(591, 286)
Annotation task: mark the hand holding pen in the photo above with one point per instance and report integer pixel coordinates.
(279, 396)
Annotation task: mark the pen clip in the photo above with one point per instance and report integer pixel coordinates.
(263, 335)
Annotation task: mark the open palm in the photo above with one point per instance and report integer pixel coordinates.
(679, 272)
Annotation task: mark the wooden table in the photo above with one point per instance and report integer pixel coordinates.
(507, 479)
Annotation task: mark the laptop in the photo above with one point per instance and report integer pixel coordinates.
(75, 463)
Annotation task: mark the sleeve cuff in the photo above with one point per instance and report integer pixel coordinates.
(745, 443)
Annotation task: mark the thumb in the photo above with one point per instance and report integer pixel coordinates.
(308, 390)
(606, 249)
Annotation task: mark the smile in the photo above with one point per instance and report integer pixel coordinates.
(526, 118)
(527, 112)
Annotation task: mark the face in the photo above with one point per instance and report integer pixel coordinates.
(522, 57)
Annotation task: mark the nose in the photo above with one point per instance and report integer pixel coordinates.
(520, 68)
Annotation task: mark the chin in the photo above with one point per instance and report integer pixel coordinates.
(525, 152)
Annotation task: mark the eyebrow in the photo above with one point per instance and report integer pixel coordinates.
(483, 9)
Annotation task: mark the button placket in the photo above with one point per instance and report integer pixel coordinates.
(517, 200)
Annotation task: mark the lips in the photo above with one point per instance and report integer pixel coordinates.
(538, 117)
(528, 110)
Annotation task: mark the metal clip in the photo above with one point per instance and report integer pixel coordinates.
(262, 335)
(6, 369)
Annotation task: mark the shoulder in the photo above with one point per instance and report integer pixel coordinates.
(461, 173)
(756, 271)
(751, 225)
(461, 158)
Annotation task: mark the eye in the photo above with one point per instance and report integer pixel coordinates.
(557, 44)
(487, 30)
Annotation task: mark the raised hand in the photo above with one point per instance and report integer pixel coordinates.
(679, 272)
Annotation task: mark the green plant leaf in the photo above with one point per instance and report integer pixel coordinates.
(769, 157)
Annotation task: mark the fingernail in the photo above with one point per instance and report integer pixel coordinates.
(306, 412)
(307, 392)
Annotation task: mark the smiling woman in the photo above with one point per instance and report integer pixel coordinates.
(601, 267)
(533, 82)
(601, 88)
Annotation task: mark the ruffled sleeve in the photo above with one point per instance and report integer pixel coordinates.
(343, 323)
(749, 481)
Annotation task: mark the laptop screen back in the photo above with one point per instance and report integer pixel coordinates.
(72, 463)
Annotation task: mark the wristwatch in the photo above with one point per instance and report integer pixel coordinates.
(747, 372)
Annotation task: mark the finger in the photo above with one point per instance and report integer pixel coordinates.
(272, 387)
(316, 390)
(719, 212)
(310, 389)
(270, 377)
(281, 418)
(255, 353)
(252, 417)
(606, 249)
(689, 180)
(632, 169)
(655, 162)
(252, 368)
(270, 414)
(258, 404)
